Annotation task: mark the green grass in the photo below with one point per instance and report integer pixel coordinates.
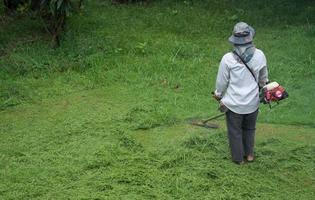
(81, 147)
(103, 116)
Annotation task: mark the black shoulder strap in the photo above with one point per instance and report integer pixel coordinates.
(245, 65)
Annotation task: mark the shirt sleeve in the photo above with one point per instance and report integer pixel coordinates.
(263, 77)
(223, 78)
(263, 73)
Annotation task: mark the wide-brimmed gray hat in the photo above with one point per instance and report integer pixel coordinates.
(242, 33)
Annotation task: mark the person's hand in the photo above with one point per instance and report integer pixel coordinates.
(217, 98)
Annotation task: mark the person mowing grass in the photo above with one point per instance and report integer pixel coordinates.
(241, 74)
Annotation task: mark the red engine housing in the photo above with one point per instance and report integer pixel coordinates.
(276, 94)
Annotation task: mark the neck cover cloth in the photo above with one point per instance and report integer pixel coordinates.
(246, 51)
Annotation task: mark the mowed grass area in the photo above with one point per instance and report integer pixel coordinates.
(87, 146)
(103, 116)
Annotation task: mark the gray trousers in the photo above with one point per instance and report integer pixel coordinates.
(241, 134)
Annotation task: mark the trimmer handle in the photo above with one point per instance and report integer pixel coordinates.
(216, 97)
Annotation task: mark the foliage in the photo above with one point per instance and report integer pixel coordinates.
(128, 1)
(54, 13)
(13, 4)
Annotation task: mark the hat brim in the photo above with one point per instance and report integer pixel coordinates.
(240, 40)
(243, 40)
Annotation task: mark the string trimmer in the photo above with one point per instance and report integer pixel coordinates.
(272, 92)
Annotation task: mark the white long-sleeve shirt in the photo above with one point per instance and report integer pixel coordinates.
(236, 85)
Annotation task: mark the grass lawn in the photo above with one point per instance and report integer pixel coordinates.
(103, 116)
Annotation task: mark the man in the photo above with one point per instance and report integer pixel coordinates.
(237, 90)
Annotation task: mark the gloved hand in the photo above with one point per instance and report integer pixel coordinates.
(216, 97)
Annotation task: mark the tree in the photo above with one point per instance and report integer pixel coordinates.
(52, 12)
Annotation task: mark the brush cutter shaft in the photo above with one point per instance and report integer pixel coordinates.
(212, 118)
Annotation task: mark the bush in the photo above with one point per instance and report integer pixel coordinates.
(52, 12)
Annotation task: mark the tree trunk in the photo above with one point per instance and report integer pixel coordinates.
(56, 31)
(55, 41)
(80, 4)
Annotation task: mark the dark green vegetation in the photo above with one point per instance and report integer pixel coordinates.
(51, 14)
(102, 117)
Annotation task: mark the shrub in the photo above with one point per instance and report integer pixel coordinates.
(54, 13)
